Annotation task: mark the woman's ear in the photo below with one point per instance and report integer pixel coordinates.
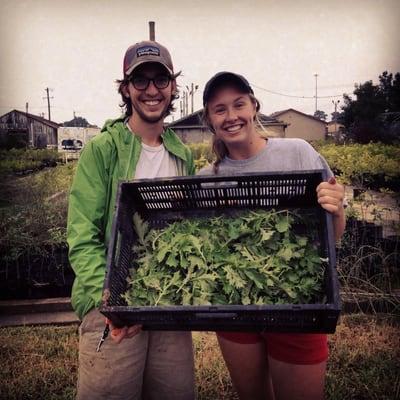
(174, 88)
(206, 120)
(256, 107)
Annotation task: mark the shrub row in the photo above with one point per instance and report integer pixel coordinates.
(373, 165)
(33, 211)
(20, 160)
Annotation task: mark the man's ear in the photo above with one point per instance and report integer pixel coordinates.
(125, 91)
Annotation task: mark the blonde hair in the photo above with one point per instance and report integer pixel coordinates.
(218, 146)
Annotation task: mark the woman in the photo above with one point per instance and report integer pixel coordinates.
(267, 365)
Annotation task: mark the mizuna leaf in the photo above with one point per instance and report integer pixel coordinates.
(282, 225)
(255, 257)
(141, 227)
(256, 277)
(234, 278)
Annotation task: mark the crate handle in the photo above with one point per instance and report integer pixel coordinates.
(214, 315)
(219, 185)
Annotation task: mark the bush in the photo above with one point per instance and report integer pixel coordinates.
(373, 165)
(33, 219)
(202, 154)
(19, 160)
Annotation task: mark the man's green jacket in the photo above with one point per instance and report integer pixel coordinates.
(108, 158)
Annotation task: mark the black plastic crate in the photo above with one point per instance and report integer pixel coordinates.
(163, 201)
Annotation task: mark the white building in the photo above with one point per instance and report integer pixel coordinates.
(74, 138)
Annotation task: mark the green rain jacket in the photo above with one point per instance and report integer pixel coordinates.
(108, 158)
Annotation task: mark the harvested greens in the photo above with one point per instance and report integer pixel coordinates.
(256, 257)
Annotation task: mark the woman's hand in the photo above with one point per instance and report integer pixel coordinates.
(118, 334)
(330, 196)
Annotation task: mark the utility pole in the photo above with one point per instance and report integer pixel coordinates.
(152, 33)
(184, 103)
(191, 92)
(335, 103)
(26, 107)
(316, 92)
(48, 101)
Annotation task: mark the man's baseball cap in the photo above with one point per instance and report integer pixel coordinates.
(221, 78)
(147, 51)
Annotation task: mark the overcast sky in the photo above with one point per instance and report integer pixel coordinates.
(76, 48)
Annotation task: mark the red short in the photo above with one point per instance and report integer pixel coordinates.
(292, 348)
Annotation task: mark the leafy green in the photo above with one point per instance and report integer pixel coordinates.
(257, 257)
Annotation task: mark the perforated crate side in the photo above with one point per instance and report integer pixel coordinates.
(162, 201)
(120, 258)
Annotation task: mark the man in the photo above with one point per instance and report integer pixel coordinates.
(133, 364)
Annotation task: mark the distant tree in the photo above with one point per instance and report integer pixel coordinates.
(321, 115)
(372, 116)
(336, 116)
(390, 127)
(77, 122)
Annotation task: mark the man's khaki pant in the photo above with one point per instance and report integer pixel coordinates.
(150, 366)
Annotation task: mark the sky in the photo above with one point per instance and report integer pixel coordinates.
(76, 49)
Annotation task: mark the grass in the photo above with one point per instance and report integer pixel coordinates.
(365, 360)
(41, 362)
(37, 187)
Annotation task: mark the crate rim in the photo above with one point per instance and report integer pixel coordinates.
(228, 307)
(194, 178)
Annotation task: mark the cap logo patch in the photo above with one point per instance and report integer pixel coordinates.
(148, 51)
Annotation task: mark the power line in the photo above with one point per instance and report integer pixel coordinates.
(331, 95)
(344, 85)
(294, 96)
(39, 107)
(297, 96)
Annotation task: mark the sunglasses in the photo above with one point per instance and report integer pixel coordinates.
(142, 83)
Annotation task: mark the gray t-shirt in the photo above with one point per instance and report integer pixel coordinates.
(278, 155)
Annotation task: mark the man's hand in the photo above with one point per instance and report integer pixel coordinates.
(330, 196)
(118, 334)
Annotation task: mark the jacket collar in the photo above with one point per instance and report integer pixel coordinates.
(173, 144)
(129, 147)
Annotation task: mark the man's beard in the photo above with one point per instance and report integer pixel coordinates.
(152, 119)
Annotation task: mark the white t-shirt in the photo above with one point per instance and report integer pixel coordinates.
(155, 162)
